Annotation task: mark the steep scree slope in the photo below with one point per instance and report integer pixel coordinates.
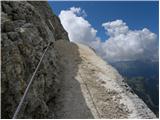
(91, 88)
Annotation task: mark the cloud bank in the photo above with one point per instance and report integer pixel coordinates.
(126, 44)
(123, 44)
(79, 29)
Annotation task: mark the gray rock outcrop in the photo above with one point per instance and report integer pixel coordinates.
(26, 29)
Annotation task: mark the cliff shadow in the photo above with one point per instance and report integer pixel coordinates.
(70, 102)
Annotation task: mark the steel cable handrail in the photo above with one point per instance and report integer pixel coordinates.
(30, 82)
(91, 97)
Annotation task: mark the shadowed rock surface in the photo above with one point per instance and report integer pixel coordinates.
(26, 31)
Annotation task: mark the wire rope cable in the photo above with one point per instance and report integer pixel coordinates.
(29, 84)
(98, 113)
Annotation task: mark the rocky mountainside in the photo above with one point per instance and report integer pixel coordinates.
(72, 81)
(92, 88)
(26, 29)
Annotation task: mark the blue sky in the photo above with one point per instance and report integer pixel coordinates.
(117, 30)
(136, 14)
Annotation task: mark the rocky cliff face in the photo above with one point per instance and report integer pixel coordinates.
(72, 81)
(26, 29)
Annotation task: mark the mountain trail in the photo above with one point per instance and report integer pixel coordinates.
(91, 88)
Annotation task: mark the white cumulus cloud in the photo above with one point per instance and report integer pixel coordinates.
(79, 29)
(122, 44)
(115, 27)
(126, 44)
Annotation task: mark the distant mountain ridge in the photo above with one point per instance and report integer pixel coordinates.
(143, 77)
(137, 68)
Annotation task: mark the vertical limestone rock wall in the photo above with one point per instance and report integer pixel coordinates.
(26, 29)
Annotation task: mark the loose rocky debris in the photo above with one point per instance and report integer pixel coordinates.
(99, 88)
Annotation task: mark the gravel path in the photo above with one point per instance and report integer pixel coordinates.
(91, 88)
